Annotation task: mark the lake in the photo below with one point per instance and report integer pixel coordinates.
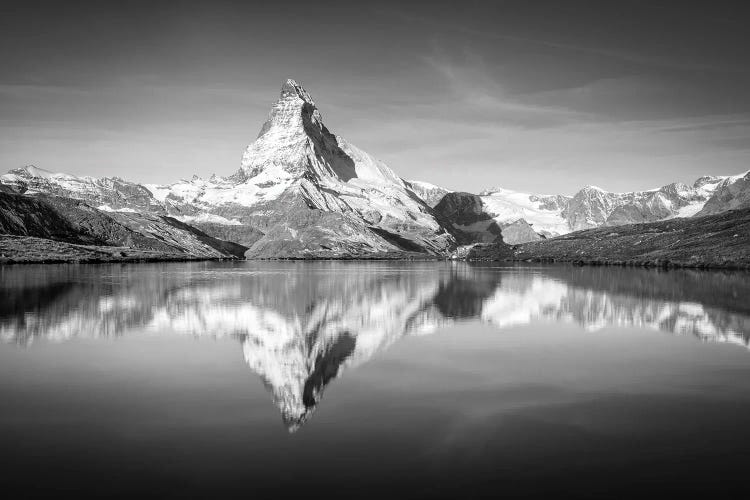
(372, 379)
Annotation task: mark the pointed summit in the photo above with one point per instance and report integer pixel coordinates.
(287, 112)
(311, 190)
(294, 142)
(293, 89)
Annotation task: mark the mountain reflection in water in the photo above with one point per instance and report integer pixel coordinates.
(301, 324)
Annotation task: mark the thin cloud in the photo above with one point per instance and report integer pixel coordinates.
(481, 97)
(616, 54)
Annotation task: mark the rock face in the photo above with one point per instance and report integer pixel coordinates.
(429, 193)
(465, 212)
(472, 222)
(730, 193)
(594, 207)
(519, 232)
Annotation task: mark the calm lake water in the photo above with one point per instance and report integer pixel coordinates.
(387, 380)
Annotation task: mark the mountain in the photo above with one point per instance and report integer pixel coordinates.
(543, 212)
(322, 196)
(730, 193)
(467, 216)
(44, 227)
(535, 216)
(429, 193)
(526, 217)
(715, 241)
(106, 193)
(301, 191)
(591, 207)
(594, 207)
(309, 193)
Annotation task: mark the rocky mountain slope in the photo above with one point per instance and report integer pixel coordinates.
(429, 193)
(553, 215)
(106, 193)
(24, 220)
(716, 241)
(729, 194)
(467, 216)
(591, 207)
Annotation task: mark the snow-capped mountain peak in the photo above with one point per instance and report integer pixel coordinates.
(593, 206)
(283, 139)
(31, 171)
(294, 141)
(295, 166)
(291, 88)
(727, 193)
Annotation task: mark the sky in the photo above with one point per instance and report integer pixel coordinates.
(541, 97)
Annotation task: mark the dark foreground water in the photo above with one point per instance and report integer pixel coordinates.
(386, 380)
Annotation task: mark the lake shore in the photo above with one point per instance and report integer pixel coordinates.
(719, 241)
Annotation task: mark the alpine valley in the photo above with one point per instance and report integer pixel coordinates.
(303, 192)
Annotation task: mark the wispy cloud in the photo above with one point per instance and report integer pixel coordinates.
(479, 97)
(645, 59)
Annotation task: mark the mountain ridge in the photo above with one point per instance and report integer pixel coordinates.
(303, 192)
(83, 233)
(546, 213)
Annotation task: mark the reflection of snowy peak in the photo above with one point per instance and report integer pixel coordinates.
(302, 325)
(522, 300)
(298, 356)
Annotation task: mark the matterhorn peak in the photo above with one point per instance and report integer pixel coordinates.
(293, 141)
(293, 89)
